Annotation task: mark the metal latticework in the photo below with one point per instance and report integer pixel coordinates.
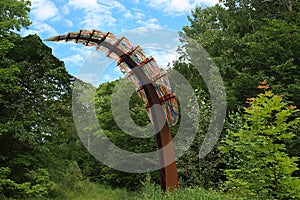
(153, 86)
(156, 75)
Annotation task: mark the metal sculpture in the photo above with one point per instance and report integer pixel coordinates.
(153, 86)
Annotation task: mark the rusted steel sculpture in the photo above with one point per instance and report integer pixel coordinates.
(153, 87)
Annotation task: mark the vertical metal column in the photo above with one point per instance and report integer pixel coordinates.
(168, 174)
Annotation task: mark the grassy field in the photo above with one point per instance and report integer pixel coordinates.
(154, 192)
(86, 190)
(91, 191)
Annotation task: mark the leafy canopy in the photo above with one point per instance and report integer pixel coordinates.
(13, 16)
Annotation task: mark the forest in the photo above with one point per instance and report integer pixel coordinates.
(256, 46)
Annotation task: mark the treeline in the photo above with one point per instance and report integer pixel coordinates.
(255, 45)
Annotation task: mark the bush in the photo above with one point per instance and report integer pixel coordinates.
(263, 168)
(37, 185)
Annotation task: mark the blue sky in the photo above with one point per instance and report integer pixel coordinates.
(53, 17)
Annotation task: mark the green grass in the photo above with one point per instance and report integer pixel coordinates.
(86, 190)
(91, 191)
(154, 193)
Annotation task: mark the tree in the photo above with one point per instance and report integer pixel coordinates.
(248, 15)
(263, 167)
(251, 41)
(13, 16)
(137, 112)
(34, 87)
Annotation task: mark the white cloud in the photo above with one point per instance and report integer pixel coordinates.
(73, 59)
(43, 10)
(149, 23)
(69, 23)
(97, 13)
(46, 28)
(138, 14)
(41, 29)
(82, 50)
(85, 4)
(116, 5)
(89, 78)
(143, 21)
(128, 15)
(66, 9)
(107, 77)
(178, 7)
(163, 58)
(160, 43)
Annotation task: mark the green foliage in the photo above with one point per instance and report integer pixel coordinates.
(37, 185)
(109, 127)
(41, 183)
(248, 15)
(263, 168)
(72, 176)
(34, 91)
(205, 172)
(250, 41)
(13, 16)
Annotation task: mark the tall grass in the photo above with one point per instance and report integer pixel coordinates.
(153, 192)
(86, 190)
(92, 191)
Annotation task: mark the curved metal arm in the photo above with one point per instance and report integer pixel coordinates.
(168, 174)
